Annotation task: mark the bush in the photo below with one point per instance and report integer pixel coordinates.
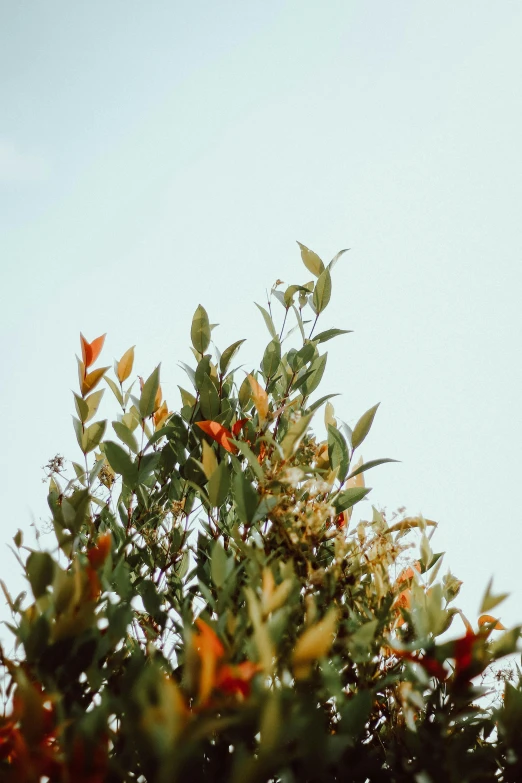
(211, 610)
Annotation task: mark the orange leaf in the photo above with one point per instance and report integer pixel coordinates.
(408, 573)
(403, 600)
(92, 379)
(91, 351)
(99, 553)
(210, 651)
(219, 433)
(487, 619)
(93, 584)
(160, 415)
(125, 365)
(260, 398)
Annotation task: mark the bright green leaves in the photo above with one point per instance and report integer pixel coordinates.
(271, 358)
(322, 292)
(200, 330)
(338, 453)
(148, 393)
(311, 260)
(363, 426)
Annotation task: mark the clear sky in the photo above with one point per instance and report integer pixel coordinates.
(157, 155)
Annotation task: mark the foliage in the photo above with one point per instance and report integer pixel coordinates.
(215, 610)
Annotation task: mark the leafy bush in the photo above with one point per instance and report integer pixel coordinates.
(212, 610)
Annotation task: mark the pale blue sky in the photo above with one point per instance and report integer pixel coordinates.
(158, 155)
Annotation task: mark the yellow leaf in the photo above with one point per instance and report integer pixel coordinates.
(314, 643)
(329, 418)
(260, 398)
(208, 459)
(158, 398)
(358, 480)
(161, 415)
(274, 596)
(125, 365)
(92, 379)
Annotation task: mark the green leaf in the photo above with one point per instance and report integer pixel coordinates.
(246, 498)
(311, 260)
(355, 713)
(490, 601)
(329, 334)
(245, 394)
(319, 402)
(93, 435)
(271, 358)
(294, 434)
(268, 320)
(78, 430)
(81, 407)
(349, 497)
(370, 464)
(318, 367)
(219, 484)
(40, 572)
(363, 426)
(322, 292)
(148, 464)
(209, 398)
(148, 393)
(338, 452)
(126, 435)
(93, 403)
(336, 258)
(505, 644)
(228, 354)
(268, 502)
(218, 564)
(121, 463)
(251, 457)
(186, 397)
(115, 390)
(200, 330)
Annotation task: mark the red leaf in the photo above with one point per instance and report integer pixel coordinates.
(218, 433)
(238, 426)
(236, 679)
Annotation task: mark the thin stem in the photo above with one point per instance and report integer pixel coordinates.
(313, 327)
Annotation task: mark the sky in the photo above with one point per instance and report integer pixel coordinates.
(154, 156)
